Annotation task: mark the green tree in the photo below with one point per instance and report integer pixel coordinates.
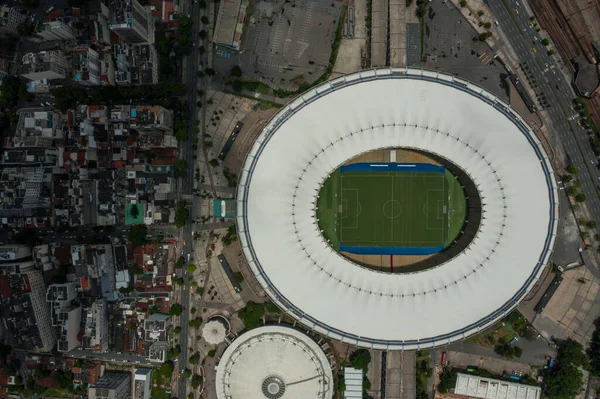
(191, 268)
(204, 19)
(68, 97)
(591, 224)
(12, 91)
(210, 71)
(194, 359)
(211, 353)
(137, 235)
(202, 34)
(177, 330)
(30, 3)
(200, 74)
(571, 191)
(251, 315)
(134, 211)
(181, 214)
(447, 380)
(484, 36)
(563, 381)
(463, 3)
(196, 381)
(360, 359)
(180, 262)
(571, 351)
(545, 42)
(187, 373)
(580, 197)
(487, 25)
(572, 169)
(195, 323)
(175, 310)
(236, 71)
(166, 369)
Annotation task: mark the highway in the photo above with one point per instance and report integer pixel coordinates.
(187, 182)
(551, 83)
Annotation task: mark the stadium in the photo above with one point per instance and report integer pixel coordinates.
(397, 209)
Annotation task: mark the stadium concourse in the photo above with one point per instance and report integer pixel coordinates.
(424, 111)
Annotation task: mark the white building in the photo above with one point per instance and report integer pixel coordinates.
(66, 314)
(25, 313)
(55, 30)
(473, 386)
(131, 21)
(86, 66)
(45, 65)
(460, 122)
(96, 327)
(274, 362)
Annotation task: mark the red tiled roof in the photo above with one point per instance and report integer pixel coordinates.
(3, 378)
(4, 392)
(119, 164)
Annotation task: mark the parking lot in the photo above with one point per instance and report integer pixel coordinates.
(573, 308)
(286, 42)
(448, 46)
(497, 366)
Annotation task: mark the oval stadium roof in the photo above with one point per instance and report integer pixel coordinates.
(274, 362)
(454, 119)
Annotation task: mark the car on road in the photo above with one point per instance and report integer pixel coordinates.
(534, 50)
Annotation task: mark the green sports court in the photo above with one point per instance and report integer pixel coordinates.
(390, 208)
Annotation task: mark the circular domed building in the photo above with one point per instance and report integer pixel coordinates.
(274, 362)
(434, 177)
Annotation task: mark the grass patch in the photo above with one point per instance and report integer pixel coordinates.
(58, 393)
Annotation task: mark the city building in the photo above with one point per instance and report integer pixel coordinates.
(25, 313)
(142, 383)
(66, 314)
(50, 64)
(10, 19)
(450, 298)
(86, 66)
(254, 367)
(155, 342)
(112, 385)
(230, 22)
(137, 64)
(55, 30)
(25, 196)
(131, 21)
(150, 118)
(472, 386)
(587, 78)
(95, 335)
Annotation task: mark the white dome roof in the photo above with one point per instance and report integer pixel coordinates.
(214, 332)
(436, 113)
(274, 362)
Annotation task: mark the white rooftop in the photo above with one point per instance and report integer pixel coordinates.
(274, 362)
(454, 119)
(488, 388)
(353, 379)
(214, 332)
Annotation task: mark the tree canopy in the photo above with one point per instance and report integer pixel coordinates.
(360, 359)
(563, 381)
(251, 315)
(571, 351)
(236, 71)
(12, 90)
(175, 310)
(137, 235)
(191, 268)
(181, 214)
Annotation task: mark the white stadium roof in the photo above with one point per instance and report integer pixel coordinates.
(454, 119)
(274, 362)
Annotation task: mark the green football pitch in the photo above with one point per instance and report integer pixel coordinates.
(391, 209)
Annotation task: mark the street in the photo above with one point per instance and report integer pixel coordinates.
(551, 83)
(187, 182)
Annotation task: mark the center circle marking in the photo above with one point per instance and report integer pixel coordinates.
(392, 209)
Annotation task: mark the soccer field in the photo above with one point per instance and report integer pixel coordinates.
(391, 209)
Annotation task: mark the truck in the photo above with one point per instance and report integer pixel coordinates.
(443, 359)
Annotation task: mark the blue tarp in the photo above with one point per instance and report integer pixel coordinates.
(392, 167)
(360, 250)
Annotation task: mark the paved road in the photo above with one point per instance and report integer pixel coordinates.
(125, 359)
(187, 182)
(550, 81)
(533, 351)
